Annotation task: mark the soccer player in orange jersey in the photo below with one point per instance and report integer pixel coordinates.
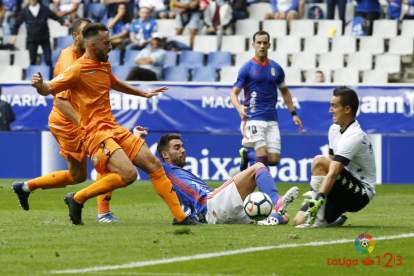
(114, 150)
(67, 134)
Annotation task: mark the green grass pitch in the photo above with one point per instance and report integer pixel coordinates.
(43, 239)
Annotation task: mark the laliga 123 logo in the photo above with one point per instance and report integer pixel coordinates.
(364, 244)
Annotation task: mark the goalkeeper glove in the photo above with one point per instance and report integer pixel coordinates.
(314, 206)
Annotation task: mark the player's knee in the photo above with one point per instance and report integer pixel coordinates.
(318, 162)
(286, 218)
(299, 219)
(129, 176)
(78, 176)
(258, 165)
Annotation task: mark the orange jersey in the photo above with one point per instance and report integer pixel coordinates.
(66, 58)
(90, 82)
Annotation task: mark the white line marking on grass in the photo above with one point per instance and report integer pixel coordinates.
(212, 255)
(166, 274)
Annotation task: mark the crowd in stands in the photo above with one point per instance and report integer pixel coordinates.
(137, 26)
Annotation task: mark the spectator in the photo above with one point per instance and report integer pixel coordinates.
(283, 9)
(8, 14)
(141, 30)
(35, 15)
(369, 10)
(155, 7)
(341, 9)
(66, 8)
(239, 8)
(409, 9)
(2, 11)
(112, 5)
(119, 27)
(394, 9)
(150, 60)
(187, 13)
(217, 17)
(319, 77)
(169, 10)
(203, 5)
(6, 115)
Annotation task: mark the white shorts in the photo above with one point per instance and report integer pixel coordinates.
(257, 134)
(225, 205)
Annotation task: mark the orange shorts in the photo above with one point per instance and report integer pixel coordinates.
(105, 141)
(68, 137)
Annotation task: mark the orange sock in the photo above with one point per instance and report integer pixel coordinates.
(107, 184)
(53, 180)
(164, 189)
(103, 203)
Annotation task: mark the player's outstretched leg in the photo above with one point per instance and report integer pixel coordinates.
(75, 208)
(104, 212)
(23, 195)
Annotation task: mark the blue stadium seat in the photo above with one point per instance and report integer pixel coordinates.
(191, 59)
(121, 72)
(170, 59)
(130, 57)
(219, 59)
(97, 10)
(55, 57)
(115, 57)
(33, 69)
(64, 42)
(204, 74)
(176, 73)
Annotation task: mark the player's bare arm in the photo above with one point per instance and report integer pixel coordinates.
(334, 169)
(67, 109)
(234, 98)
(126, 88)
(287, 97)
(43, 88)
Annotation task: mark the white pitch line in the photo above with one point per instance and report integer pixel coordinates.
(218, 254)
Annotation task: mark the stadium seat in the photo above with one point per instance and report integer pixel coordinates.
(259, 10)
(407, 28)
(242, 58)
(129, 58)
(360, 61)
(331, 61)
(176, 73)
(205, 43)
(166, 27)
(191, 59)
(302, 28)
(56, 30)
(234, 44)
(344, 44)
(371, 44)
(219, 59)
(20, 41)
(288, 44)
(121, 72)
(316, 45)
(293, 75)
(21, 58)
(33, 69)
(204, 74)
(55, 57)
(401, 45)
(322, 6)
(275, 28)
(346, 76)
(5, 57)
(389, 63)
(324, 27)
(228, 74)
(180, 38)
(375, 77)
(97, 10)
(64, 42)
(385, 28)
(310, 75)
(115, 57)
(303, 61)
(10, 73)
(280, 57)
(247, 27)
(170, 59)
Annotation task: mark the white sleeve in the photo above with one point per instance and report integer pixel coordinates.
(348, 147)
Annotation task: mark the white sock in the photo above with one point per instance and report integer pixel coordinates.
(26, 188)
(316, 183)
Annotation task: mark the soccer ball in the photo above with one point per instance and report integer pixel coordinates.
(258, 206)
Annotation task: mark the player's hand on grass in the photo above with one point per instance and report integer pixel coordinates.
(314, 206)
(298, 122)
(243, 114)
(155, 92)
(140, 131)
(37, 81)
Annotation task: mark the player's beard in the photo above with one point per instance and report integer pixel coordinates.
(178, 160)
(101, 55)
(81, 45)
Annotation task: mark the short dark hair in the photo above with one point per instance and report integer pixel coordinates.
(348, 97)
(164, 142)
(261, 33)
(126, 18)
(319, 72)
(78, 22)
(93, 29)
